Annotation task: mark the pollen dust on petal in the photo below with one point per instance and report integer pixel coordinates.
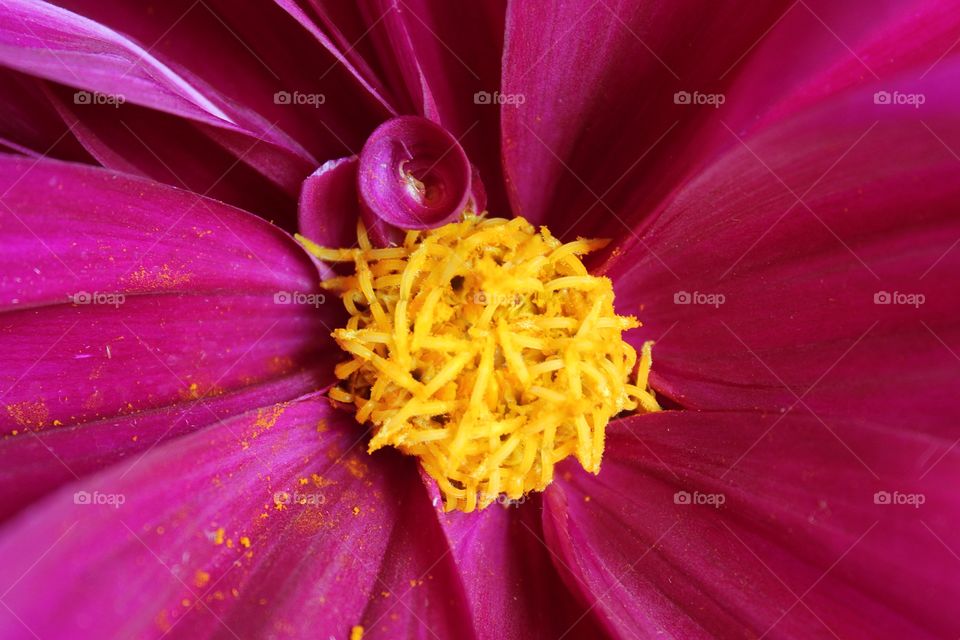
(163, 277)
(29, 414)
(266, 418)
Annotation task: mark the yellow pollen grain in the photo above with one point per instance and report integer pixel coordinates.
(356, 633)
(486, 349)
(201, 578)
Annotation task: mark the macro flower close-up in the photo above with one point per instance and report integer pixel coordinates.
(504, 319)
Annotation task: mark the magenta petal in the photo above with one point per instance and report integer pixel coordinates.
(29, 124)
(69, 225)
(256, 175)
(508, 576)
(890, 41)
(412, 174)
(343, 50)
(426, 58)
(731, 525)
(329, 206)
(459, 48)
(190, 56)
(50, 42)
(799, 322)
(592, 115)
(282, 67)
(251, 525)
(369, 38)
(39, 461)
(122, 300)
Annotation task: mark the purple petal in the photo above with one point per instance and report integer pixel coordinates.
(29, 124)
(429, 59)
(123, 300)
(255, 175)
(815, 51)
(412, 174)
(252, 137)
(369, 38)
(800, 280)
(329, 205)
(732, 525)
(38, 462)
(593, 117)
(52, 43)
(283, 68)
(889, 41)
(459, 48)
(248, 527)
(505, 566)
(345, 52)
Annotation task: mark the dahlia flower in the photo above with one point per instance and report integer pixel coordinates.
(528, 319)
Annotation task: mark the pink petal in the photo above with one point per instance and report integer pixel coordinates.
(211, 41)
(28, 123)
(799, 279)
(598, 119)
(507, 572)
(329, 204)
(732, 524)
(428, 59)
(199, 547)
(888, 42)
(255, 175)
(816, 51)
(248, 138)
(328, 32)
(459, 48)
(52, 43)
(37, 462)
(126, 303)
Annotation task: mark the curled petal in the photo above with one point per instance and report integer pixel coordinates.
(413, 175)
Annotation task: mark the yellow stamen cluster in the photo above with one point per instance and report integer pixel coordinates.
(486, 349)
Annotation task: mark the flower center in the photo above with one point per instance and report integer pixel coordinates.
(486, 349)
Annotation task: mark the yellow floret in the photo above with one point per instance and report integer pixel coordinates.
(486, 349)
